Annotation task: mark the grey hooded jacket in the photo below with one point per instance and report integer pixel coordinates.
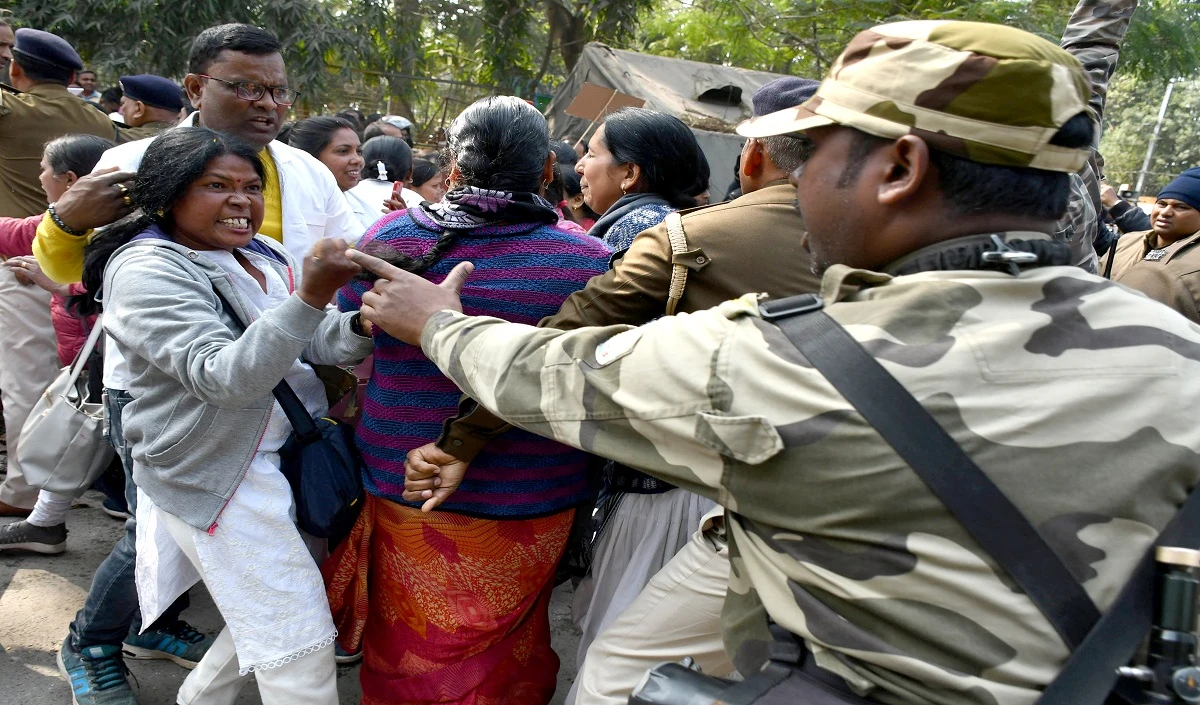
(202, 392)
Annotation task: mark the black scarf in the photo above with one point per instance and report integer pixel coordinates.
(468, 207)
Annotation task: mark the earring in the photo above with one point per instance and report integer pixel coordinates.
(623, 190)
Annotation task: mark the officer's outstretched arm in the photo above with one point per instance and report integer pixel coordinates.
(656, 397)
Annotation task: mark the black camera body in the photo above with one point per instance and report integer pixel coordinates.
(679, 684)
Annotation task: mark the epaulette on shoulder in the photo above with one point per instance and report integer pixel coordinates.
(744, 305)
(5, 89)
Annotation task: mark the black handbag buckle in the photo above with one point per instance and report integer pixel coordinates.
(790, 306)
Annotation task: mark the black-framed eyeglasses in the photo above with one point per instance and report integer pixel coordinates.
(247, 90)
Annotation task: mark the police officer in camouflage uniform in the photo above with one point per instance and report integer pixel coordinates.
(1093, 36)
(933, 141)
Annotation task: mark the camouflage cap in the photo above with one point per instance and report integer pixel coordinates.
(986, 92)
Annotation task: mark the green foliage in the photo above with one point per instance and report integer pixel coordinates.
(1132, 111)
(429, 58)
(136, 36)
(802, 37)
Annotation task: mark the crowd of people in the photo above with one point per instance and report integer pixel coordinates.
(562, 371)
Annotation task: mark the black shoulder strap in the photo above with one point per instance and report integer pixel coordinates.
(989, 516)
(1091, 671)
(1090, 674)
(293, 408)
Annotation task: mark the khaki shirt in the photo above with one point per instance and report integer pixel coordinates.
(141, 132)
(832, 535)
(1170, 275)
(27, 122)
(749, 245)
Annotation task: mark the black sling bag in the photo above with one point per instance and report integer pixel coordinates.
(1099, 645)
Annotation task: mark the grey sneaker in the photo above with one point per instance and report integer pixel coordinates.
(178, 642)
(346, 658)
(96, 675)
(23, 536)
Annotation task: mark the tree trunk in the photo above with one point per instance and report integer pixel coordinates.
(567, 31)
(405, 46)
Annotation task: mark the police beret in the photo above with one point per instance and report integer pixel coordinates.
(786, 92)
(47, 48)
(152, 90)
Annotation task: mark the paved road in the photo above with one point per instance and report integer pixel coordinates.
(39, 596)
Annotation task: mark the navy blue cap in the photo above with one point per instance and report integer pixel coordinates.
(1185, 187)
(152, 90)
(781, 94)
(47, 48)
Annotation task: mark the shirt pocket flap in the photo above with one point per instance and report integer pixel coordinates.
(749, 439)
(315, 220)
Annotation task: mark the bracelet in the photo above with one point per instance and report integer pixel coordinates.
(61, 225)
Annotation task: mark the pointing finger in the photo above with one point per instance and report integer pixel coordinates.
(375, 265)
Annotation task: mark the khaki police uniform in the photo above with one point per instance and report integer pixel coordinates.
(750, 244)
(141, 132)
(27, 122)
(1169, 274)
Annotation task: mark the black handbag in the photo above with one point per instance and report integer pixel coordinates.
(323, 467)
(320, 462)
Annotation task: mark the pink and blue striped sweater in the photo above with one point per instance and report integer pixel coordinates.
(523, 273)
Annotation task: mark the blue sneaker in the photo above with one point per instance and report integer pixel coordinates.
(96, 675)
(178, 642)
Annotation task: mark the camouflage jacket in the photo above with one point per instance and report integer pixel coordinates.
(831, 534)
(1093, 35)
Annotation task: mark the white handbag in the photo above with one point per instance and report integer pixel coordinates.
(62, 448)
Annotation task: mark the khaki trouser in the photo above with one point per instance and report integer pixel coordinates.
(308, 680)
(28, 364)
(678, 614)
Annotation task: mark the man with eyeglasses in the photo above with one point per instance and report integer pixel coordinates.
(238, 83)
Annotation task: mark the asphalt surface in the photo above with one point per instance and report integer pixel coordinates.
(39, 596)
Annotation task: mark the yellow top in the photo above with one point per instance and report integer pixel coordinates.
(272, 225)
(60, 253)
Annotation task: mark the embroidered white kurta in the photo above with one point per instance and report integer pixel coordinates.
(255, 564)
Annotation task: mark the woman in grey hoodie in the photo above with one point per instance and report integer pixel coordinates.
(203, 426)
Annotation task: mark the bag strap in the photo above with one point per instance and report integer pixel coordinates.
(82, 357)
(294, 409)
(679, 273)
(974, 500)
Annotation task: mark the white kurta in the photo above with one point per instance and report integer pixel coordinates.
(255, 564)
(366, 200)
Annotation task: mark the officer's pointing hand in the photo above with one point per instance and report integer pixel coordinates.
(97, 199)
(401, 302)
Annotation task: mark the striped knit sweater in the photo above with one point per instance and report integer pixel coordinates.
(523, 273)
